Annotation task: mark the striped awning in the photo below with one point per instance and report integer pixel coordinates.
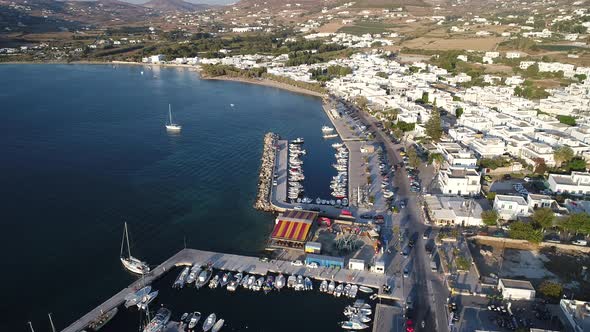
(291, 230)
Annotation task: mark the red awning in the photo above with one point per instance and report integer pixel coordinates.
(291, 230)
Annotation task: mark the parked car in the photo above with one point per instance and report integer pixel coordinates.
(552, 238)
(580, 242)
(297, 263)
(312, 265)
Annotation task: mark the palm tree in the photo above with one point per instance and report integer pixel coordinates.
(436, 159)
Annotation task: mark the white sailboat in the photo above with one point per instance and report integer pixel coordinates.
(131, 263)
(171, 125)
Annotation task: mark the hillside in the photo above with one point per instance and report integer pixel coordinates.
(175, 6)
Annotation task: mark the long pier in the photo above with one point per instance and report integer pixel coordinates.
(230, 262)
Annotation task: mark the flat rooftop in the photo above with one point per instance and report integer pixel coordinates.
(518, 284)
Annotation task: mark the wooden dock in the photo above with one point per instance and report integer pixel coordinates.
(230, 262)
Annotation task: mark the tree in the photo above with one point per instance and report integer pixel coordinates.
(563, 154)
(490, 217)
(436, 159)
(577, 223)
(540, 166)
(361, 102)
(551, 289)
(577, 164)
(543, 218)
(525, 231)
(491, 196)
(382, 74)
(433, 126)
(424, 97)
(463, 263)
(458, 112)
(413, 158)
(397, 132)
(566, 119)
(581, 77)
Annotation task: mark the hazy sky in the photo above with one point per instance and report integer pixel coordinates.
(213, 2)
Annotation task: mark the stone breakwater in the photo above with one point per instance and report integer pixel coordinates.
(266, 173)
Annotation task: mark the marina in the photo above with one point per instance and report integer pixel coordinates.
(235, 263)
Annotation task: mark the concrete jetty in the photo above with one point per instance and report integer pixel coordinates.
(230, 262)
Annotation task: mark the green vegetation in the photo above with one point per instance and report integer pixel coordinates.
(405, 126)
(493, 163)
(433, 126)
(456, 98)
(458, 112)
(424, 98)
(530, 91)
(436, 159)
(577, 223)
(225, 70)
(525, 231)
(413, 158)
(491, 196)
(463, 263)
(382, 74)
(581, 77)
(568, 27)
(577, 164)
(568, 120)
(551, 289)
(490, 217)
(520, 44)
(563, 154)
(543, 218)
(326, 74)
(364, 27)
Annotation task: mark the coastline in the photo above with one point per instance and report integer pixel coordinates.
(267, 82)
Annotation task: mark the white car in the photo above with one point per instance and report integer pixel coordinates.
(297, 263)
(580, 242)
(298, 208)
(313, 265)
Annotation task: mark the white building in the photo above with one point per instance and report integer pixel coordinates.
(511, 207)
(488, 147)
(512, 55)
(516, 289)
(459, 181)
(576, 183)
(454, 211)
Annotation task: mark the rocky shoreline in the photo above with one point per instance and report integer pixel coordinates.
(266, 169)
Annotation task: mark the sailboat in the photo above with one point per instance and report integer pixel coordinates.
(131, 263)
(171, 125)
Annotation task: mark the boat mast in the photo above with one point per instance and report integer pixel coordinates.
(31, 326)
(51, 321)
(123, 239)
(127, 236)
(170, 112)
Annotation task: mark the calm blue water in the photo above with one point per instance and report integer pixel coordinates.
(84, 149)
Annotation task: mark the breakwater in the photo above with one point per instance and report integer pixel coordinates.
(266, 173)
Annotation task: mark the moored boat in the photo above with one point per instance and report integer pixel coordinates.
(218, 325)
(196, 316)
(280, 282)
(365, 289)
(209, 322)
(158, 323)
(353, 325)
(103, 319)
(204, 277)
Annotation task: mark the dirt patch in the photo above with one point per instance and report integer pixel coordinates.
(331, 27)
(479, 44)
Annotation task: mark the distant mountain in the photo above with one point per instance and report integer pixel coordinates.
(175, 5)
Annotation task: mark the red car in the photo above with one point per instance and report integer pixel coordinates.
(409, 326)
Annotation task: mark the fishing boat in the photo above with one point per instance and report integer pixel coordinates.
(146, 300)
(251, 282)
(291, 281)
(204, 277)
(214, 282)
(299, 286)
(209, 322)
(258, 284)
(298, 140)
(308, 284)
(218, 325)
(244, 282)
(103, 319)
(132, 299)
(353, 291)
(353, 325)
(327, 129)
(233, 284)
(192, 276)
(338, 291)
(171, 126)
(346, 289)
(280, 282)
(225, 279)
(337, 145)
(268, 284)
(131, 263)
(196, 316)
(158, 323)
(324, 286)
(331, 287)
(181, 279)
(365, 289)
(327, 136)
(183, 317)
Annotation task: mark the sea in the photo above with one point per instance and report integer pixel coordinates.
(84, 149)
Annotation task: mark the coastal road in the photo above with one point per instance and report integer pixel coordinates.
(428, 294)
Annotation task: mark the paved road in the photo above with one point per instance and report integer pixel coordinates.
(426, 289)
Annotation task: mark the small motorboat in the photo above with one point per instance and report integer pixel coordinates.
(353, 291)
(251, 282)
(279, 282)
(324, 286)
(146, 300)
(132, 299)
(268, 284)
(194, 320)
(225, 279)
(353, 325)
(299, 286)
(346, 290)
(291, 281)
(308, 284)
(365, 289)
(209, 322)
(331, 287)
(214, 282)
(184, 316)
(219, 325)
(338, 291)
(245, 281)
